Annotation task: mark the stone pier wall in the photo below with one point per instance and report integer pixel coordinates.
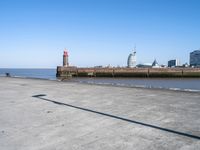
(127, 72)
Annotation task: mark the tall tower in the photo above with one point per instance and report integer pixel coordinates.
(131, 62)
(65, 59)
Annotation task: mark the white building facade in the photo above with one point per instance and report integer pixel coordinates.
(131, 62)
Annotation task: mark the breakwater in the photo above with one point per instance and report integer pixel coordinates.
(127, 72)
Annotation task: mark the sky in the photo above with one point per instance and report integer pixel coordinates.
(34, 33)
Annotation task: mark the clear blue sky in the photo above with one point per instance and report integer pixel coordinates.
(34, 33)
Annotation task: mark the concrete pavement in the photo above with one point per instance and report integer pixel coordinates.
(49, 115)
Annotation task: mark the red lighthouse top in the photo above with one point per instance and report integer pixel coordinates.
(65, 53)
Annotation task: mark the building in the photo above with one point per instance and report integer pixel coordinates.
(155, 64)
(195, 58)
(144, 65)
(65, 59)
(131, 62)
(173, 63)
(149, 65)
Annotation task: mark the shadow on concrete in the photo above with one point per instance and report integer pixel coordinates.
(40, 96)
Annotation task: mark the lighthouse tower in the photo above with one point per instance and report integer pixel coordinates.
(65, 59)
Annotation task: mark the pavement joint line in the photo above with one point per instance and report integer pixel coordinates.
(41, 96)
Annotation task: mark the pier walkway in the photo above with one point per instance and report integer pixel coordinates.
(48, 115)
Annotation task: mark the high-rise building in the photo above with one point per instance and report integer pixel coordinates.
(195, 58)
(173, 63)
(131, 62)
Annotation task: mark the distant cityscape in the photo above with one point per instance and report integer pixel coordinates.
(173, 69)
(194, 62)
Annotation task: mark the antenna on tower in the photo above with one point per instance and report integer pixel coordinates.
(134, 51)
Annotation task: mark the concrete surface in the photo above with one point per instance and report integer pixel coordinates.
(52, 115)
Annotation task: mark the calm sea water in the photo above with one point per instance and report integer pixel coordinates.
(185, 84)
(32, 73)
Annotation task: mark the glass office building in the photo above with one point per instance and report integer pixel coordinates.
(195, 58)
(173, 63)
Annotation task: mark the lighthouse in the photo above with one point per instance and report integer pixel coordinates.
(65, 59)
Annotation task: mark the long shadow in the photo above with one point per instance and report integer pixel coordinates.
(40, 96)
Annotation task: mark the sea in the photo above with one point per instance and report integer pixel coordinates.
(30, 73)
(180, 84)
